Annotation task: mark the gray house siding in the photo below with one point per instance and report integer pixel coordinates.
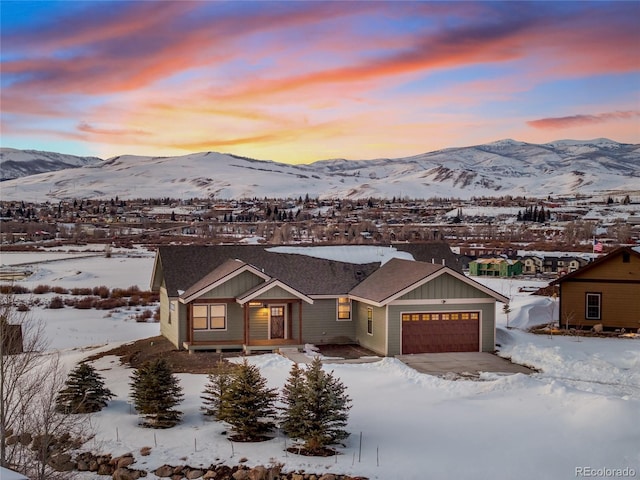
(378, 341)
(234, 286)
(234, 331)
(321, 325)
(445, 286)
(172, 322)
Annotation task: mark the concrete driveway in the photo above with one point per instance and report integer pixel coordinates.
(461, 363)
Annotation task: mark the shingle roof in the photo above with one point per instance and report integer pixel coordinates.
(393, 277)
(589, 266)
(222, 271)
(184, 265)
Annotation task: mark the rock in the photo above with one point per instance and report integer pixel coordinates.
(328, 476)
(258, 473)
(93, 465)
(145, 451)
(210, 474)
(597, 328)
(123, 473)
(105, 469)
(193, 474)
(177, 476)
(165, 471)
(25, 438)
(297, 476)
(125, 461)
(62, 463)
(82, 466)
(241, 475)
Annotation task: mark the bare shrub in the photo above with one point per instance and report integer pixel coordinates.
(42, 289)
(60, 290)
(56, 302)
(102, 291)
(81, 291)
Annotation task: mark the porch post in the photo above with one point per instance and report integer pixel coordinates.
(189, 323)
(300, 322)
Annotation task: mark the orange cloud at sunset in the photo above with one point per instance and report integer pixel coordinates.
(300, 81)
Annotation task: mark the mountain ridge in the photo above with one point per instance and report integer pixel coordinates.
(504, 167)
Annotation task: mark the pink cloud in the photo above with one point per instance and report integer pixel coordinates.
(580, 120)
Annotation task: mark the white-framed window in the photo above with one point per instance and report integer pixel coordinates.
(593, 308)
(370, 320)
(344, 309)
(209, 317)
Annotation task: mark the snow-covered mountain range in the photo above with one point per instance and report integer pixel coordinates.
(21, 163)
(505, 167)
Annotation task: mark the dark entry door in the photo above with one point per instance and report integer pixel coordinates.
(277, 322)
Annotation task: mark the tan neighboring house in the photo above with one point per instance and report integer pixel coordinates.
(247, 297)
(605, 291)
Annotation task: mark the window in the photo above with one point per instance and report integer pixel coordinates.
(370, 321)
(626, 257)
(593, 306)
(344, 308)
(209, 317)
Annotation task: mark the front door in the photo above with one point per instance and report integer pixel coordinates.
(276, 322)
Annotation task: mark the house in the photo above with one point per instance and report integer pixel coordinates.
(605, 291)
(551, 264)
(495, 267)
(252, 298)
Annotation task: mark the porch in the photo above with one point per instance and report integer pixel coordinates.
(255, 345)
(265, 325)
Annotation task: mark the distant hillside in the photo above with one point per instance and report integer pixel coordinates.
(22, 163)
(565, 167)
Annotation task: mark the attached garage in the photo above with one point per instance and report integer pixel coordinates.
(435, 332)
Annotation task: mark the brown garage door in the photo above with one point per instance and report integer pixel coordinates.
(427, 332)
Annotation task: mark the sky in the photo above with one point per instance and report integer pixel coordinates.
(303, 81)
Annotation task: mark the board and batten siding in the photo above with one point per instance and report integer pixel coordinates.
(234, 286)
(487, 321)
(378, 341)
(443, 287)
(320, 323)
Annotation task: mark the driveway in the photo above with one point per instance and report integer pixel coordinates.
(461, 363)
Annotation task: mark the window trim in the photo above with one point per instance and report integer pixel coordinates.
(350, 305)
(369, 321)
(587, 296)
(209, 317)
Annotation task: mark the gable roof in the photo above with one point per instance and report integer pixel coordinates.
(265, 287)
(393, 277)
(398, 277)
(589, 266)
(181, 266)
(218, 276)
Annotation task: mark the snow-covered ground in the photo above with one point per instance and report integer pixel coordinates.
(581, 411)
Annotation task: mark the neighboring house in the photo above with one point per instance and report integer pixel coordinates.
(246, 297)
(495, 267)
(531, 264)
(550, 264)
(605, 291)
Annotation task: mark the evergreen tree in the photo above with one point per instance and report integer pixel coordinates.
(247, 404)
(155, 391)
(84, 391)
(293, 396)
(218, 383)
(316, 408)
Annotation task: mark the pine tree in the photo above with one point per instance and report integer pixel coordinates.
(316, 408)
(155, 391)
(293, 395)
(84, 391)
(247, 404)
(218, 383)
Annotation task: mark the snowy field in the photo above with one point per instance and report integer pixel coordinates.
(581, 411)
